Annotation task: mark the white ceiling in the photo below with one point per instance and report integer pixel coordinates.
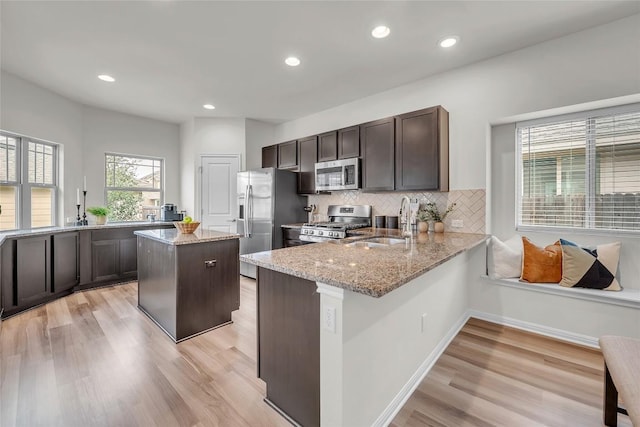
(170, 57)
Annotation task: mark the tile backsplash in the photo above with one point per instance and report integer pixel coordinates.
(470, 205)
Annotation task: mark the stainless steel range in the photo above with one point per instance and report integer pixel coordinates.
(341, 219)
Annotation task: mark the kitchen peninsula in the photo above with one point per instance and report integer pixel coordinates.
(360, 320)
(188, 283)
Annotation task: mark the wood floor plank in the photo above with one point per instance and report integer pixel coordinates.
(495, 375)
(93, 359)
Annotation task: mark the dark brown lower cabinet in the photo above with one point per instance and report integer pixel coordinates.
(190, 288)
(65, 251)
(289, 344)
(33, 269)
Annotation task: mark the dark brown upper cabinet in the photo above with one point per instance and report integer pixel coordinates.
(288, 155)
(270, 156)
(328, 146)
(422, 150)
(378, 146)
(349, 142)
(307, 158)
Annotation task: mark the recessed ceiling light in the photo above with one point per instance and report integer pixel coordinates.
(292, 61)
(380, 32)
(209, 107)
(449, 41)
(106, 78)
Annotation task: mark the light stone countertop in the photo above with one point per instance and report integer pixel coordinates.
(373, 271)
(53, 230)
(171, 236)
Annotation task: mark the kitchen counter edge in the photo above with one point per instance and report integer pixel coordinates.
(173, 237)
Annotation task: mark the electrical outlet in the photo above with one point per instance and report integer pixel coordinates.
(457, 223)
(329, 317)
(423, 322)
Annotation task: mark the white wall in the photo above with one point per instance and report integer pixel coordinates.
(201, 136)
(85, 134)
(31, 110)
(112, 132)
(595, 64)
(259, 134)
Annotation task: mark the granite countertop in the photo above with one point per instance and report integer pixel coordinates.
(52, 230)
(171, 236)
(296, 225)
(373, 271)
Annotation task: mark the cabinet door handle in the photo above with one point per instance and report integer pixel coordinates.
(210, 263)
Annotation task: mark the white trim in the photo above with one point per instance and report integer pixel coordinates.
(625, 298)
(547, 331)
(329, 290)
(407, 390)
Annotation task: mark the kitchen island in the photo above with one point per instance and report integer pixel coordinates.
(188, 283)
(347, 328)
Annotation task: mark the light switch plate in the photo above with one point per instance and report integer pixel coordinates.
(457, 223)
(329, 319)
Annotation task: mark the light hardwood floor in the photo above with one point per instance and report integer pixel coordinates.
(93, 359)
(492, 375)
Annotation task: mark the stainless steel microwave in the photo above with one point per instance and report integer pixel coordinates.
(338, 175)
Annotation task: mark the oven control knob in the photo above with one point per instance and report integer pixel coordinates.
(320, 233)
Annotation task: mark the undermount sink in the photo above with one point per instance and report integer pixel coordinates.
(377, 242)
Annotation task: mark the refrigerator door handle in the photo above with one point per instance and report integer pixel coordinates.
(250, 215)
(246, 212)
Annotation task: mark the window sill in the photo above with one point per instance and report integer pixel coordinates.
(625, 298)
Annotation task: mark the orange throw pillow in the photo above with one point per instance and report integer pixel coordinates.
(541, 265)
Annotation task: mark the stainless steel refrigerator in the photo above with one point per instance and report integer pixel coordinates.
(267, 198)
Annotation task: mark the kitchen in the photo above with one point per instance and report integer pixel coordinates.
(479, 96)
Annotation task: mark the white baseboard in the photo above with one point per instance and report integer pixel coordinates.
(407, 390)
(547, 331)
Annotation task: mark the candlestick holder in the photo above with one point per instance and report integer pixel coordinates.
(84, 208)
(78, 219)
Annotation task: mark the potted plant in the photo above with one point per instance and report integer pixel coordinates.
(100, 212)
(434, 214)
(423, 217)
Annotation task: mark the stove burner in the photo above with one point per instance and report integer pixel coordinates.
(343, 218)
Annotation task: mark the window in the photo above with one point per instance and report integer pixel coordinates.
(133, 186)
(28, 182)
(581, 171)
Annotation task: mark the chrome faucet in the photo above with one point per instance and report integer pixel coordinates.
(405, 218)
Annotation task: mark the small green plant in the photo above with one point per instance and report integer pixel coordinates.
(98, 211)
(432, 213)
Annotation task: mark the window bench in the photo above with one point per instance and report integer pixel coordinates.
(626, 297)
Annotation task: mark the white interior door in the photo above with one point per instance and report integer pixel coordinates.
(219, 179)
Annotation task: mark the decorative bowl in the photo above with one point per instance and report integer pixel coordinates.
(186, 227)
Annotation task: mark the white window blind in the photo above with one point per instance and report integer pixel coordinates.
(581, 171)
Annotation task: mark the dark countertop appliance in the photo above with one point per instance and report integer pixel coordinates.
(341, 219)
(169, 212)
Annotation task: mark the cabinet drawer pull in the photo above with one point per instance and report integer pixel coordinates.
(210, 264)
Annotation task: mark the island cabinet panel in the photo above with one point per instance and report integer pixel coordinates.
(422, 150)
(209, 279)
(289, 344)
(328, 146)
(378, 149)
(270, 156)
(33, 269)
(349, 142)
(65, 250)
(307, 158)
(288, 155)
(191, 288)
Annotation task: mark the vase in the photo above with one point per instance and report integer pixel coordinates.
(101, 220)
(423, 227)
(438, 227)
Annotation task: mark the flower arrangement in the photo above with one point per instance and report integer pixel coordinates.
(430, 212)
